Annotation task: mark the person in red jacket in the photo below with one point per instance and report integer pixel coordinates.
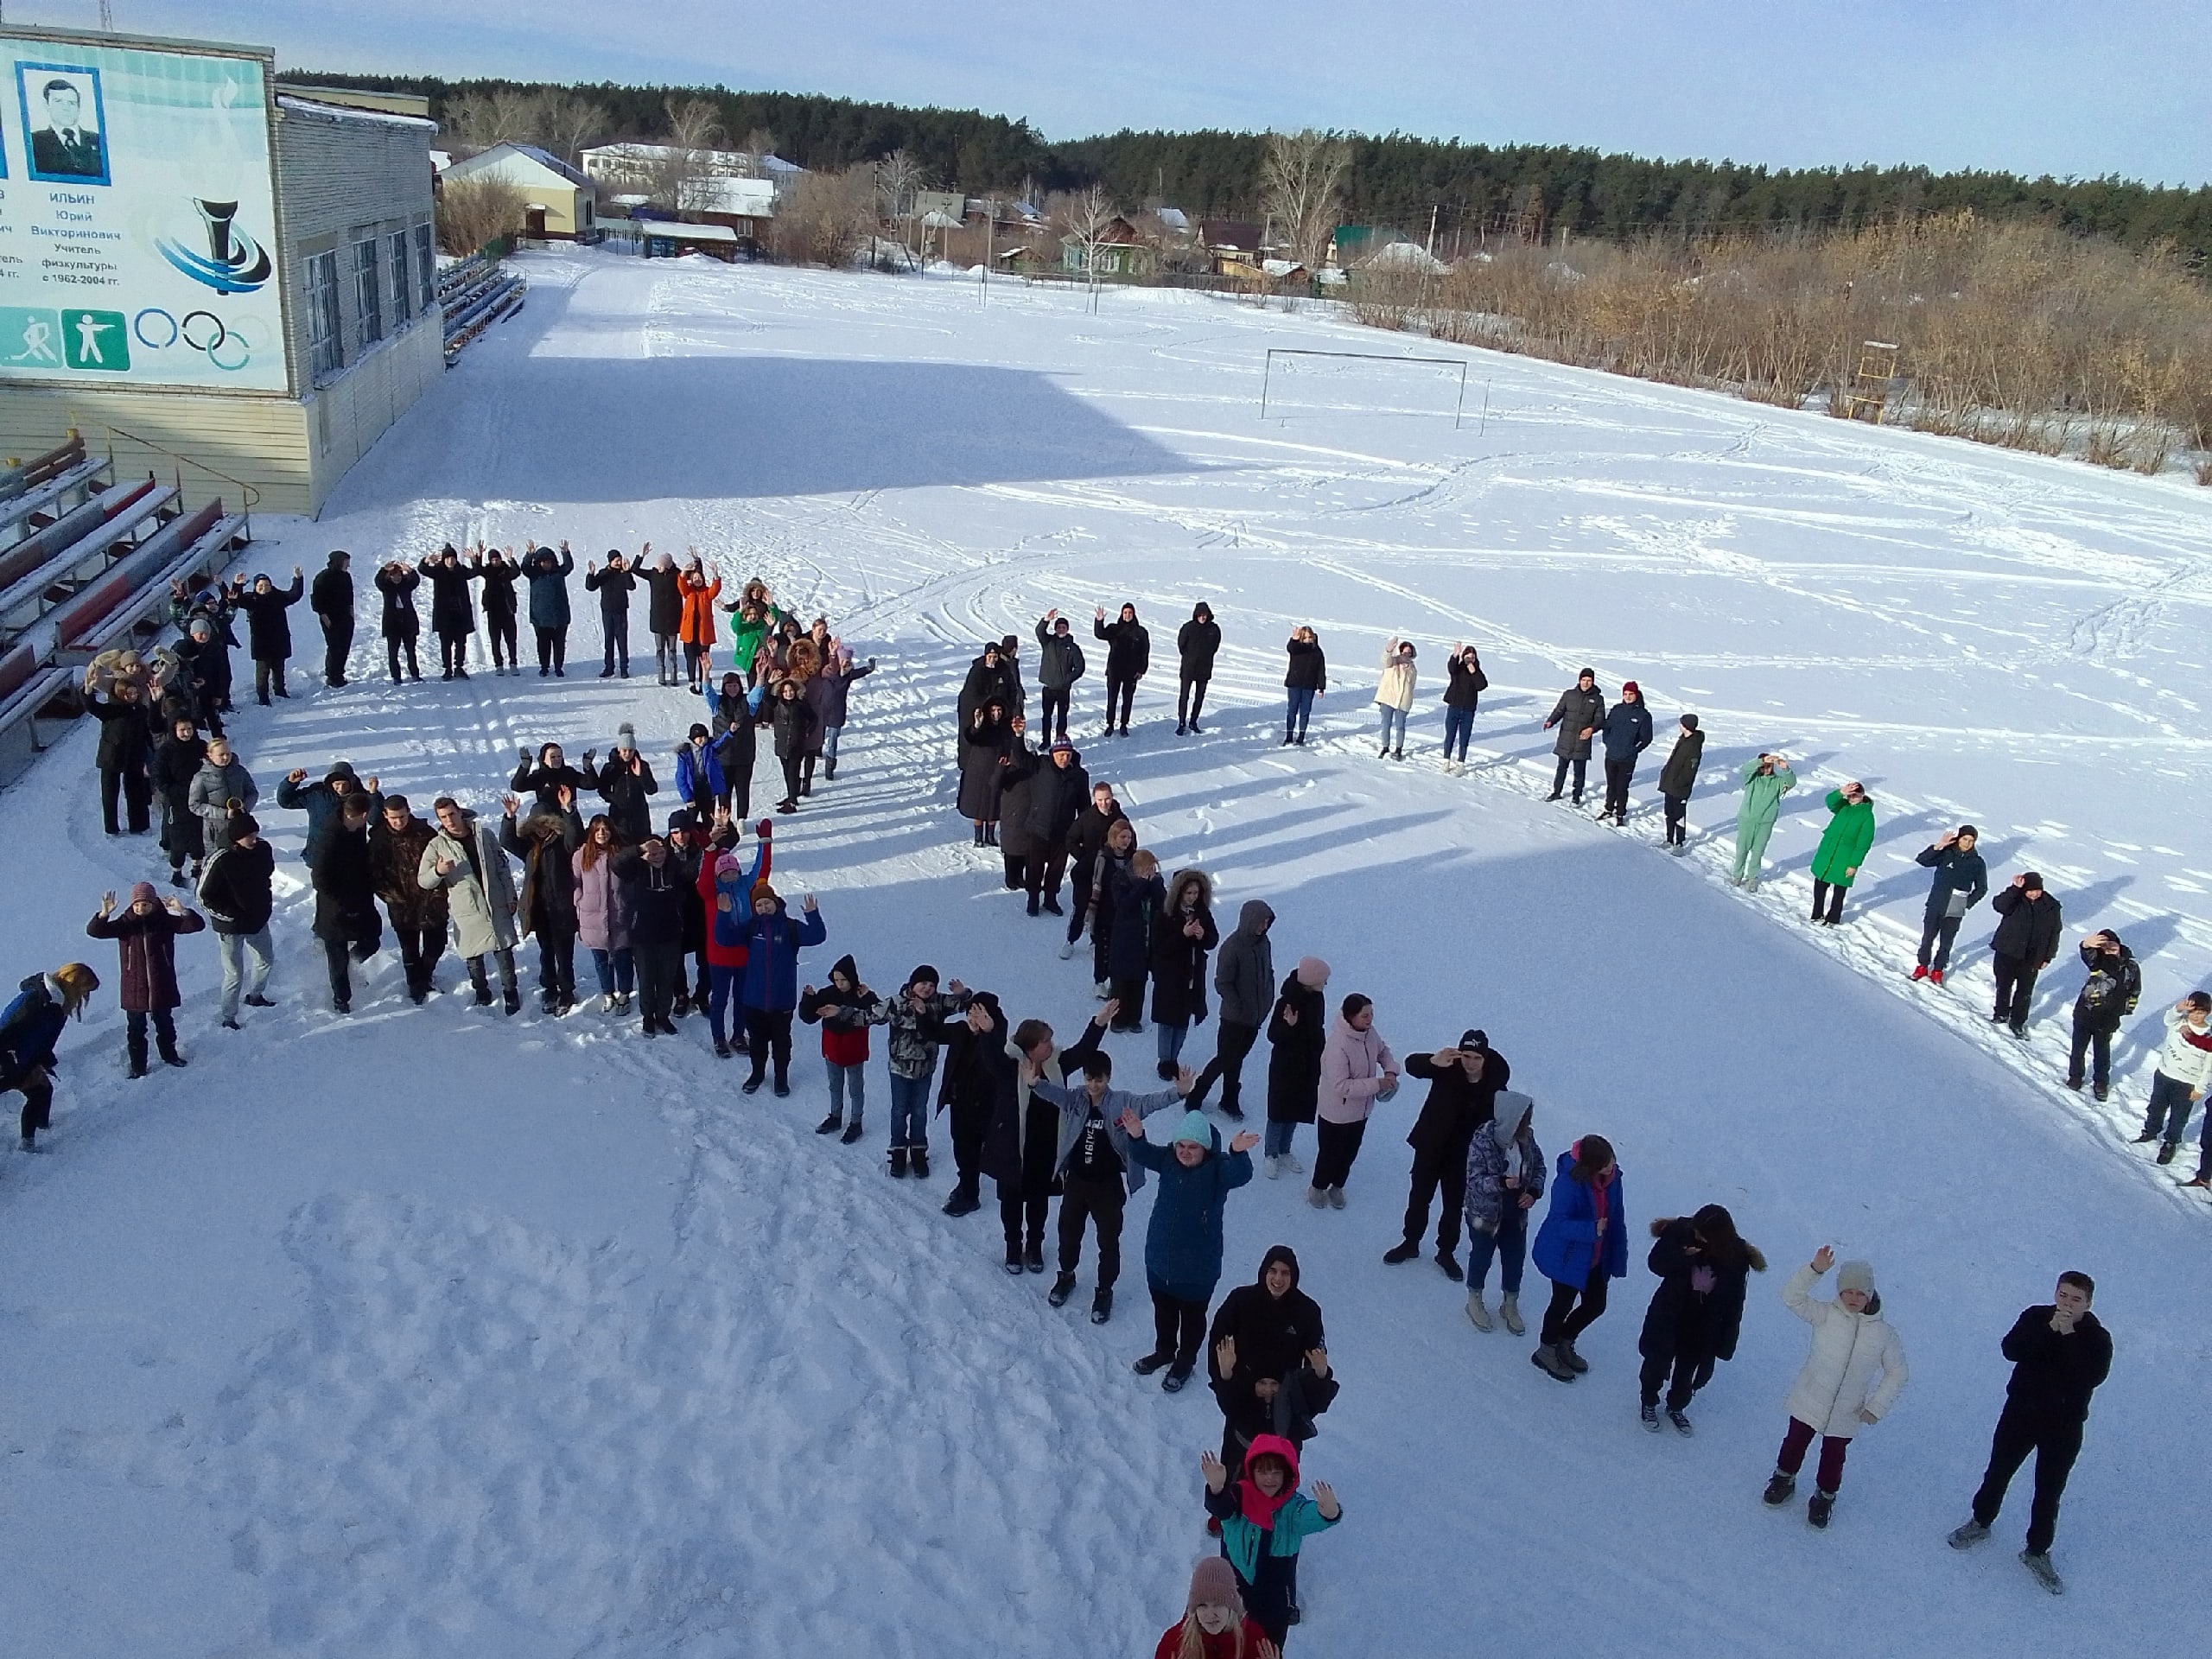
(145, 937)
(1214, 1624)
(724, 884)
(844, 1009)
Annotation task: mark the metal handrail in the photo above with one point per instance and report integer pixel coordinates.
(247, 495)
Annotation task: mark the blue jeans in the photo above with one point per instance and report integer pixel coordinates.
(1299, 711)
(829, 741)
(2170, 1105)
(723, 984)
(1459, 727)
(1172, 1038)
(1509, 1242)
(845, 1079)
(1278, 1140)
(910, 1110)
(617, 970)
(1391, 717)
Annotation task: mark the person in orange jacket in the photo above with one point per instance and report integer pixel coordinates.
(697, 628)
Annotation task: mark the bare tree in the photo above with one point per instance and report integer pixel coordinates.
(567, 121)
(1086, 218)
(825, 216)
(479, 120)
(1301, 183)
(898, 176)
(472, 211)
(672, 176)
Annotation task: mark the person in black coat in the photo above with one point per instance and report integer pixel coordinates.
(452, 615)
(625, 783)
(737, 744)
(1056, 795)
(2061, 1354)
(1698, 1310)
(613, 586)
(1463, 1086)
(546, 775)
(1269, 1369)
(1086, 839)
(796, 724)
(1676, 779)
(990, 679)
(1198, 642)
(656, 888)
(2026, 943)
(1128, 654)
(1627, 732)
(974, 1046)
(1298, 1031)
(689, 842)
(125, 755)
(346, 918)
(501, 576)
(2107, 997)
(664, 612)
(1961, 878)
(546, 841)
(419, 915)
(177, 759)
(332, 601)
(269, 634)
(1578, 714)
(1184, 935)
(203, 667)
(1021, 1146)
(1462, 694)
(401, 627)
(1306, 678)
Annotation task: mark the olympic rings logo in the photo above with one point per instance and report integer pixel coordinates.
(209, 338)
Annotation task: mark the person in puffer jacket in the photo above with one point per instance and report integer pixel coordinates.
(915, 1016)
(1697, 1313)
(1581, 1248)
(1836, 1394)
(1358, 1069)
(2183, 1074)
(844, 1009)
(1264, 1519)
(1505, 1177)
(723, 884)
(29, 1026)
(772, 943)
(2107, 997)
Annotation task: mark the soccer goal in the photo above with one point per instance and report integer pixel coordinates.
(1369, 382)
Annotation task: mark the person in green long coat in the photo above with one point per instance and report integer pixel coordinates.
(1766, 780)
(1844, 844)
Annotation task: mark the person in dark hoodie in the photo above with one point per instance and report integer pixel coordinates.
(733, 730)
(1198, 642)
(269, 634)
(661, 892)
(613, 586)
(1086, 840)
(1129, 655)
(125, 755)
(1059, 665)
(546, 840)
(2061, 1356)
(1463, 1086)
(1627, 731)
(1017, 841)
(346, 918)
(547, 573)
(1578, 714)
(320, 801)
(29, 1026)
(1183, 1237)
(1244, 980)
(501, 576)
(332, 601)
(988, 681)
(1960, 880)
(1696, 1311)
(969, 1090)
(626, 782)
(545, 776)
(453, 614)
(2107, 997)
(1056, 797)
(236, 893)
(397, 582)
(2026, 943)
(1676, 779)
(844, 1009)
(398, 843)
(1269, 1371)
(177, 760)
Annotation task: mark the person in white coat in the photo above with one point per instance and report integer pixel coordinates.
(1836, 1394)
(1393, 695)
(1358, 1069)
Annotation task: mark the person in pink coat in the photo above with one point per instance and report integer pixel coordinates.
(1358, 1069)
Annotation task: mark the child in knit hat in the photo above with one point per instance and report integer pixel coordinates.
(1264, 1518)
(1214, 1624)
(1836, 1394)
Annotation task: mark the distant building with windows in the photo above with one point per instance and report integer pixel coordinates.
(559, 202)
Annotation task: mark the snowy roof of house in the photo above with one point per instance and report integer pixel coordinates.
(318, 110)
(442, 159)
(627, 157)
(501, 157)
(743, 198)
(937, 221)
(771, 163)
(669, 230)
(1404, 256)
(1174, 218)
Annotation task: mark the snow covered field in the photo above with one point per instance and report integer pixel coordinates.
(423, 1333)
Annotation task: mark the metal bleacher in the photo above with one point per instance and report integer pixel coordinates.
(86, 565)
(474, 293)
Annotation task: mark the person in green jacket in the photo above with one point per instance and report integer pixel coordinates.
(1844, 844)
(1766, 780)
(756, 612)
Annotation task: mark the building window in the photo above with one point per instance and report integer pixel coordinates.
(368, 298)
(326, 342)
(402, 296)
(426, 267)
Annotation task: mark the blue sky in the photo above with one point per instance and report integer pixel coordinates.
(2031, 85)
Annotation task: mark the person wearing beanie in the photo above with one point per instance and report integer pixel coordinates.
(1677, 778)
(1054, 800)
(844, 1009)
(1837, 1392)
(1183, 1238)
(29, 1026)
(397, 840)
(145, 934)
(1269, 1359)
(1463, 1086)
(1357, 1070)
(1198, 642)
(1214, 1624)
(1579, 713)
(771, 943)
(1298, 1031)
(613, 586)
(1766, 779)
(1704, 1268)
(1264, 1519)
(1059, 665)
(1505, 1177)
(346, 918)
(1627, 732)
(1462, 694)
(699, 778)
(1844, 846)
(453, 614)
(917, 1017)
(1128, 657)
(626, 782)
(1581, 1248)
(2061, 1356)
(319, 801)
(547, 573)
(2025, 943)
(332, 601)
(1961, 878)
(2110, 990)
(1393, 695)
(237, 894)
(179, 758)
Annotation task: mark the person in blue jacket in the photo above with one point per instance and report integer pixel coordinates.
(1962, 882)
(1581, 1248)
(699, 777)
(772, 941)
(1182, 1241)
(1627, 731)
(29, 1030)
(548, 574)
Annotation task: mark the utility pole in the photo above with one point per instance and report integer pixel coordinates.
(1434, 208)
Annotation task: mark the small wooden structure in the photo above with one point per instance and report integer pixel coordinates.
(1870, 386)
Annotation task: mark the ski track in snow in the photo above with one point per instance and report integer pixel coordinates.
(536, 1339)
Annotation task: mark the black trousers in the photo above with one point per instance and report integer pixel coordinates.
(38, 1103)
(2092, 1038)
(134, 1034)
(1042, 874)
(1677, 808)
(557, 965)
(419, 950)
(971, 1121)
(267, 677)
(552, 648)
(1936, 935)
(392, 648)
(1581, 766)
(660, 970)
(694, 664)
(1619, 775)
(1054, 723)
(504, 956)
(1231, 1043)
(1191, 698)
(137, 790)
(2055, 1446)
(1563, 1321)
(1080, 898)
(1023, 1219)
(2016, 984)
(501, 625)
(1445, 1170)
(337, 644)
(615, 625)
(1100, 1205)
(1123, 690)
(1178, 1328)
(452, 652)
(768, 1034)
(792, 784)
(1827, 901)
(1691, 1369)
(337, 954)
(1336, 1149)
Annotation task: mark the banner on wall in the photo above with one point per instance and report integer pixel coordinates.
(137, 219)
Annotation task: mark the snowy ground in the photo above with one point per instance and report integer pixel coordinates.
(422, 1334)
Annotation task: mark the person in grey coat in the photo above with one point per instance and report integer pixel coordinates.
(464, 858)
(221, 784)
(1059, 665)
(1244, 979)
(1578, 714)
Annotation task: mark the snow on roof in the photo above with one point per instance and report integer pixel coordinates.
(937, 221)
(744, 197)
(1404, 256)
(340, 112)
(442, 159)
(669, 230)
(1174, 218)
(522, 157)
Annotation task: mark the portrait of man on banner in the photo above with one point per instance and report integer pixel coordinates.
(64, 126)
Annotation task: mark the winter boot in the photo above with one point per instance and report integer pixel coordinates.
(965, 1203)
(920, 1163)
(2038, 1563)
(1151, 1362)
(1935, 975)
(1176, 1378)
(852, 1132)
(806, 776)
(1405, 1250)
(1652, 1419)
(1818, 1509)
(1448, 1264)
(2166, 1151)
(1013, 1258)
(1274, 1167)
(898, 1162)
(1063, 1288)
(1680, 1418)
(831, 1124)
(1546, 1359)
(1033, 1256)
(1478, 1313)
(751, 1085)
(170, 1057)
(1966, 1536)
(1780, 1489)
(1920, 972)
(1102, 1305)
(1575, 1362)
(830, 769)
(990, 835)
(1508, 1314)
